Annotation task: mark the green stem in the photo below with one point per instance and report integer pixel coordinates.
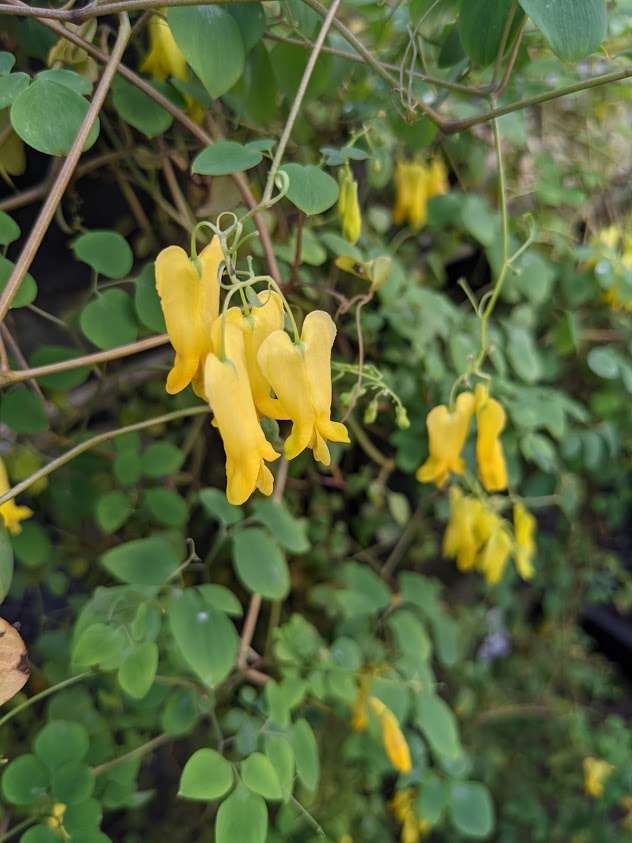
(17, 828)
(47, 469)
(139, 752)
(42, 694)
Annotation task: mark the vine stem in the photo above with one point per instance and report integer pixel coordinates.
(18, 827)
(94, 10)
(60, 184)
(66, 683)
(139, 752)
(298, 99)
(82, 447)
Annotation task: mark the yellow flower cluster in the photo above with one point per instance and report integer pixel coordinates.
(596, 772)
(238, 359)
(415, 185)
(476, 536)
(10, 513)
(349, 212)
(413, 827)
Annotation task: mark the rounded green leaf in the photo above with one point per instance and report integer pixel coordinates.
(27, 291)
(47, 116)
(25, 780)
(221, 598)
(112, 510)
(305, 749)
(243, 817)
(167, 507)
(311, 189)
(180, 714)
(6, 562)
(225, 157)
(46, 354)
(438, 724)
(573, 28)
(279, 751)
(471, 809)
(11, 86)
(260, 564)
(107, 252)
(210, 38)
(98, 643)
(139, 110)
(138, 670)
(23, 410)
(108, 320)
(77, 83)
(39, 834)
(207, 775)
(482, 25)
(604, 361)
(82, 817)
(72, 783)
(216, 505)
(147, 561)
(161, 459)
(146, 300)
(32, 546)
(259, 775)
(7, 60)
(9, 229)
(289, 531)
(60, 742)
(251, 20)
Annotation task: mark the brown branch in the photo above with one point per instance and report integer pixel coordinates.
(47, 212)
(92, 10)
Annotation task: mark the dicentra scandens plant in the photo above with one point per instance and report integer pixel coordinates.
(281, 340)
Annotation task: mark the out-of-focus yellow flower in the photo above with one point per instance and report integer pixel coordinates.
(56, 820)
(11, 514)
(490, 420)
(360, 710)
(346, 838)
(609, 237)
(493, 559)
(228, 391)
(393, 738)
(596, 772)
(437, 183)
(462, 540)
(301, 378)
(164, 58)
(349, 212)
(524, 531)
(190, 303)
(66, 53)
(257, 326)
(411, 194)
(413, 828)
(447, 433)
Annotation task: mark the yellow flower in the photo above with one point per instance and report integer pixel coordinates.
(411, 194)
(228, 390)
(462, 540)
(11, 513)
(165, 57)
(626, 804)
(524, 529)
(413, 828)
(349, 208)
(490, 420)
(393, 738)
(497, 549)
(596, 771)
(56, 820)
(437, 181)
(301, 378)
(257, 326)
(190, 304)
(447, 433)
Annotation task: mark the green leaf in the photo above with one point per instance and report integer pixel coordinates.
(161, 459)
(478, 219)
(207, 775)
(47, 116)
(311, 189)
(216, 505)
(9, 229)
(147, 561)
(604, 362)
(538, 449)
(573, 28)
(242, 817)
(432, 798)
(438, 723)
(60, 742)
(23, 410)
(180, 714)
(25, 780)
(260, 564)
(481, 27)
(471, 809)
(72, 783)
(251, 21)
(412, 639)
(27, 291)
(523, 354)
(259, 775)
(40, 834)
(225, 157)
(137, 671)
(46, 354)
(146, 300)
(279, 751)
(7, 60)
(108, 320)
(305, 749)
(205, 637)
(82, 818)
(107, 252)
(139, 110)
(77, 83)
(112, 510)
(11, 86)
(98, 643)
(289, 531)
(32, 546)
(166, 506)
(211, 41)
(6, 561)
(221, 598)
(254, 95)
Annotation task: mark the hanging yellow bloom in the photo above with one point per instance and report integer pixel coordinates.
(10, 513)
(349, 212)
(524, 530)
(393, 738)
(411, 194)
(490, 420)
(257, 326)
(462, 540)
(447, 433)
(596, 772)
(190, 303)
(165, 58)
(437, 181)
(301, 378)
(228, 390)
(493, 559)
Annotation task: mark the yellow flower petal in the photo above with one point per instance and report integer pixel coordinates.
(524, 531)
(165, 57)
(461, 540)
(490, 420)
(494, 557)
(393, 738)
(262, 322)
(596, 772)
(447, 433)
(10, 512)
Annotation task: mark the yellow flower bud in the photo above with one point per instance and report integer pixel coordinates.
(165, 58)
(348, 207)
(493, 559)
(393, 738)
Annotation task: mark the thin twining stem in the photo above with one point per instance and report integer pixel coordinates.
(60, 184)
(87, 444)
(93, 10)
